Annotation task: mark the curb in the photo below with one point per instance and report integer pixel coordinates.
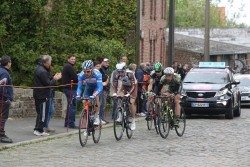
(52, 137)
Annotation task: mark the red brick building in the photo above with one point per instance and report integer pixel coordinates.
(153, 31)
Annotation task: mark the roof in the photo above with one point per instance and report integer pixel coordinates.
(219, 45)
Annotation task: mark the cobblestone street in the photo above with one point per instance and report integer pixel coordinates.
(208, 141)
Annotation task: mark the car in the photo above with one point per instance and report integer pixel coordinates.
(211, 89)
(244, 87)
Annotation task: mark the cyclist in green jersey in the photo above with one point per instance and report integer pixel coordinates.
(172, 82)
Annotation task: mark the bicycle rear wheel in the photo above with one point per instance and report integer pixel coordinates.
(163, 123)
(118, 124)
(128, 123)
(149, 115)
(83, 128)
(96, 134)
(182, 124)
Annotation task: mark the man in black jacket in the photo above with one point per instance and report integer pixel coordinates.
(43, 80)
(68, 74)
(7, 92)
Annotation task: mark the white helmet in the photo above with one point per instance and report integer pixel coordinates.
(120, 66)
(169, 71)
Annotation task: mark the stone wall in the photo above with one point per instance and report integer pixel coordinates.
(184, 56)
(24, 104)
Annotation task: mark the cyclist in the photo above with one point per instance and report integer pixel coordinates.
(155, 77)
(92, 79)
(125, 84)
(172, 81)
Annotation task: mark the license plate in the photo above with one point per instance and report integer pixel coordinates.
(245, 98)
(200, 104)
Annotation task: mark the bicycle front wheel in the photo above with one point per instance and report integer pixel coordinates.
(118, 124)
(83, 128)
(96, 134)
(149, 115)
(155, 118)
(128, 123)
(163, 123)
(180, 129)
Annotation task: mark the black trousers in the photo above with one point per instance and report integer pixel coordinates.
(42, 110)
(4, 111)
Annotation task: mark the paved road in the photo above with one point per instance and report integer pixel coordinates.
(208, 141)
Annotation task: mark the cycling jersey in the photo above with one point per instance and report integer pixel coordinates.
(93, 84)
(128, 83)
(156, 82)
(174, 85)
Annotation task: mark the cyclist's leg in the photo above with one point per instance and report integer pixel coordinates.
(177, 105)
(132, 107)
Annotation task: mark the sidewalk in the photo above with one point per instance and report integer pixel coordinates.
(20, 130)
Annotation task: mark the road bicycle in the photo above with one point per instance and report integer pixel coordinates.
(123, 114)
(166, 117)
(153, 108)
(86, 123)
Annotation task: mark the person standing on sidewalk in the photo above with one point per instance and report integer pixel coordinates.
(43, 78)
(141, 98)
(105, 81)
(7, 96)
(68, 74)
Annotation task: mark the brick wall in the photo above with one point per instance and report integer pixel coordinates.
(24, 104)
(153, 31)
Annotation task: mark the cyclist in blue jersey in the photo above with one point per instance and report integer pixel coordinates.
(92, 79)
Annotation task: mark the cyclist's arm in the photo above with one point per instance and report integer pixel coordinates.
(150, 86)
(81, 79)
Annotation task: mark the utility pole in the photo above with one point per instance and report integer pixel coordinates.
(138, 32)
(207, 30)
(171, 53)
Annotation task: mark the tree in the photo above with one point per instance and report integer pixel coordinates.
(88, 29)
(191, 13)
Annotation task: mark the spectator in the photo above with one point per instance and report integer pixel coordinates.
(123, 59)
(132, 67)
(139, 75)
(183, 71)
(97, 65)
(105, 80)
(51, 108)
(43, 78)
(7, 96)
(68, 74)
(175, 67)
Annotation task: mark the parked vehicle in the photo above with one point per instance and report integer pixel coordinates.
(211, 89)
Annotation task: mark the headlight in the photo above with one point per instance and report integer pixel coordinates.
(221, 92)
(183, 93)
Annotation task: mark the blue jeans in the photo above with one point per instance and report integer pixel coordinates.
(71, 108)
(51, 111)
(103, 97)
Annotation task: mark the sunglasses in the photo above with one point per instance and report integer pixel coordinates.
(121, 72)
(87, 71)
(158, 71)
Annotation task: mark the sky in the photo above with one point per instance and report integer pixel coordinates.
(236, 7)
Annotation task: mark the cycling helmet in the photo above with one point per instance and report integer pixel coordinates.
(87, 65)
(169, 71)
(120, 66)
(157, 66)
